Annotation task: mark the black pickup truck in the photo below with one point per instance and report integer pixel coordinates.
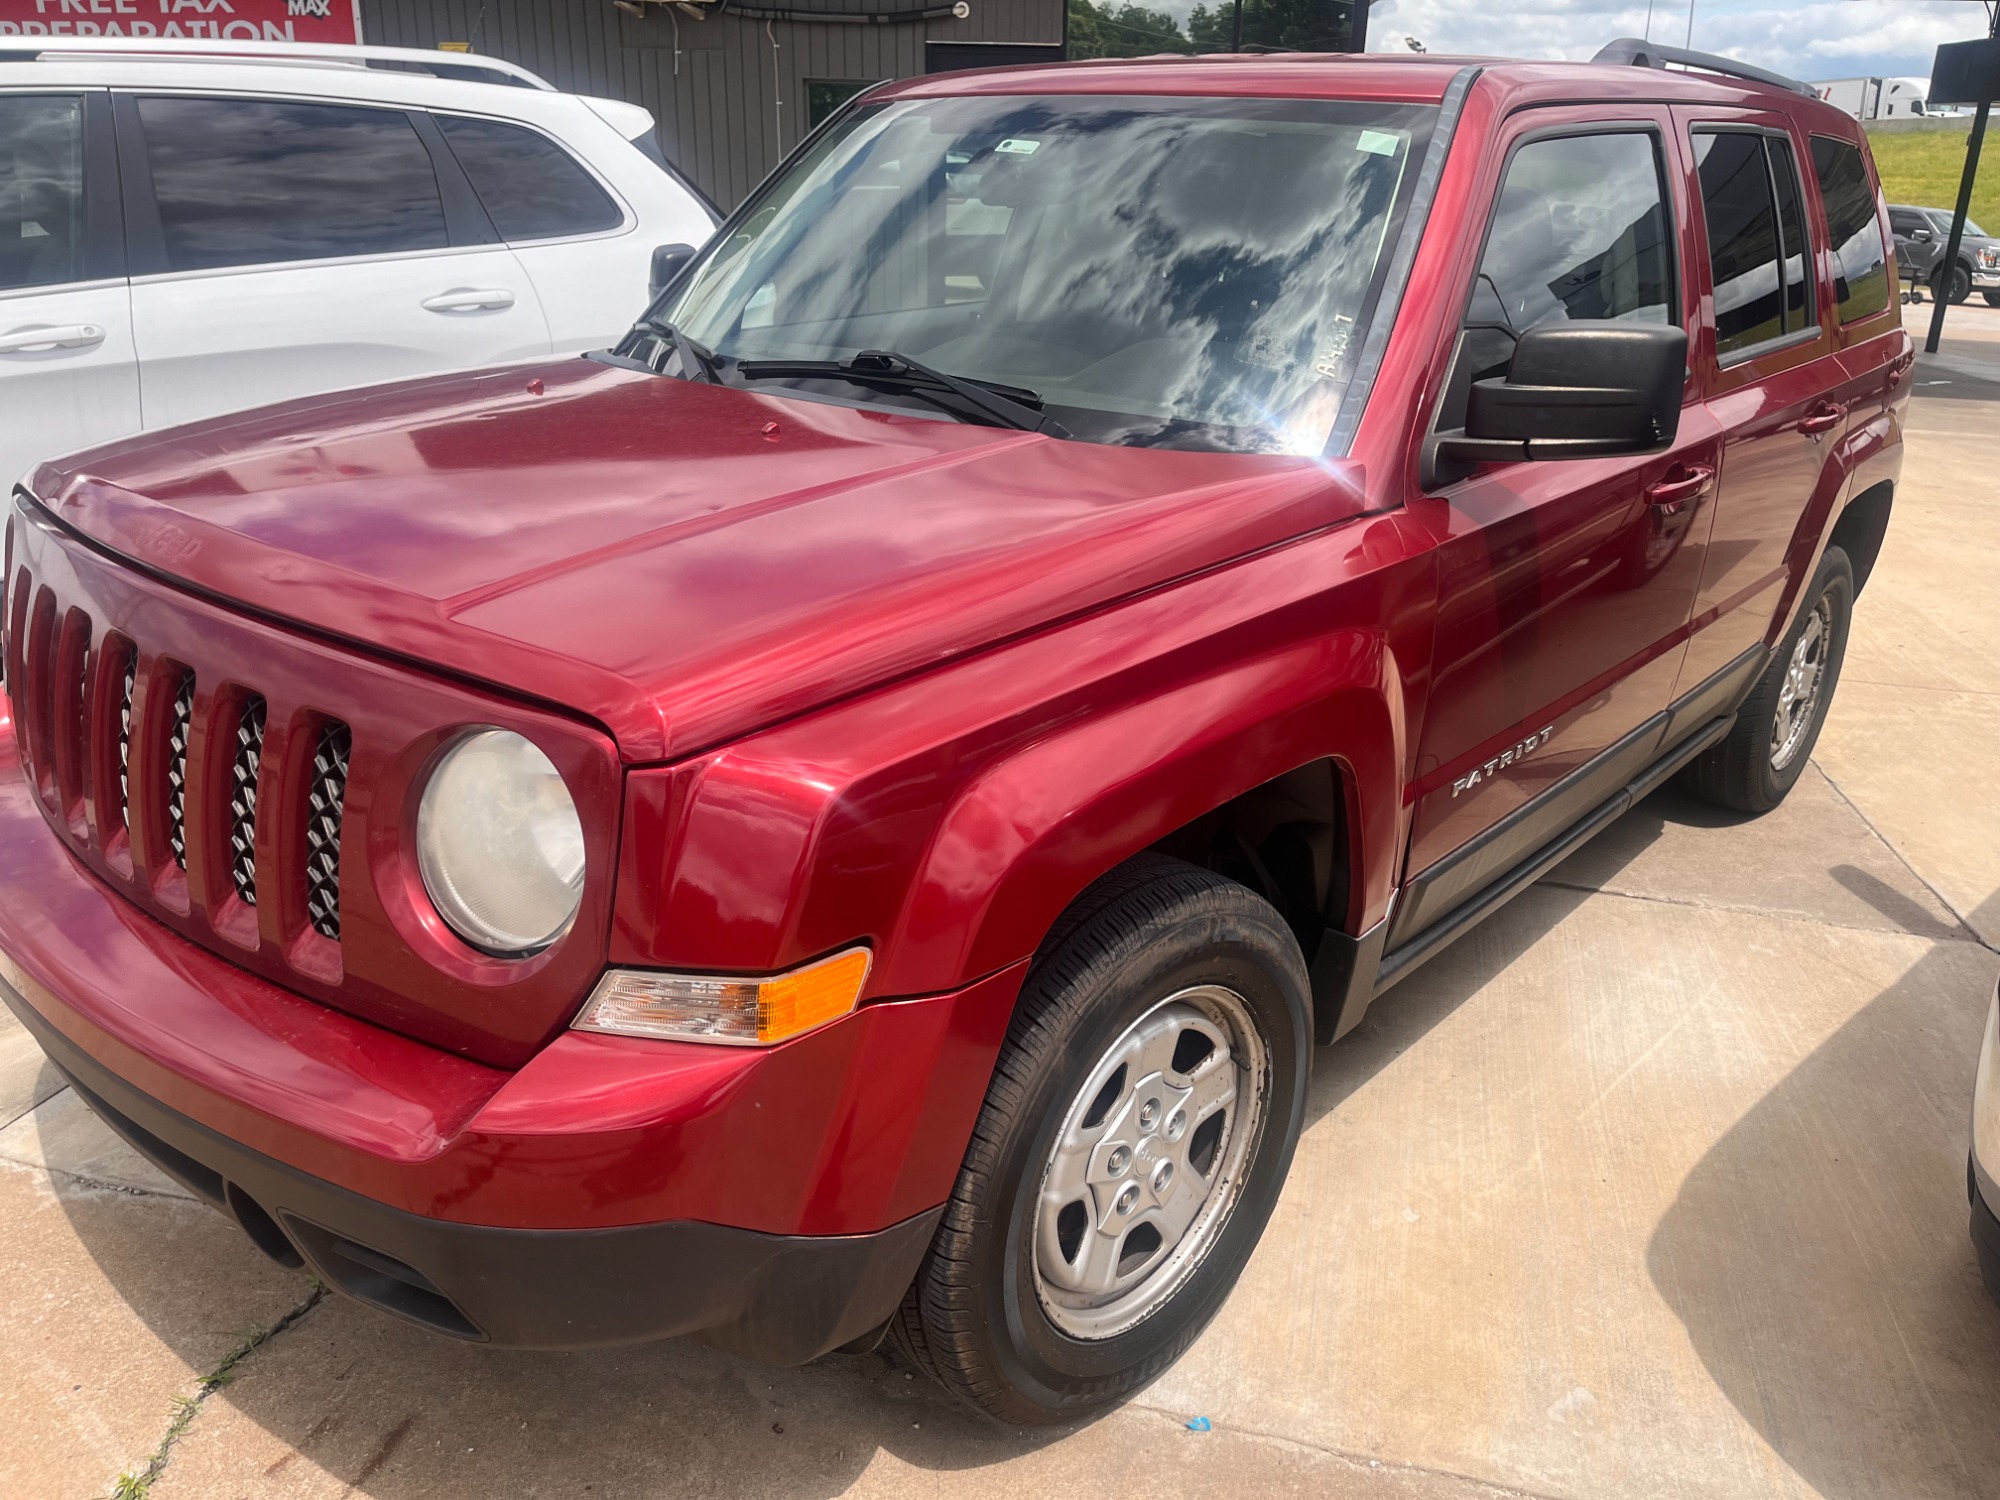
(1921, 237)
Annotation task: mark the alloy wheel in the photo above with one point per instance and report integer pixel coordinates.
(1149, 1161)
(1798, 696)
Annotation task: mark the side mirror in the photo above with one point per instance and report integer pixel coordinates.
(1582, 389)
(667, 263)
(1921, 236)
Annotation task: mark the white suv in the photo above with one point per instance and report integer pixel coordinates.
(192, 228)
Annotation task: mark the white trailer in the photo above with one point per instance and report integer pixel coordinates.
(1859, 97)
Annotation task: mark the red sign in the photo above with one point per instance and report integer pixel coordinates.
(200, 20)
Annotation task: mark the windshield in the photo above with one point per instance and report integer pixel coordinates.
(1941, 224)
(1162, 272)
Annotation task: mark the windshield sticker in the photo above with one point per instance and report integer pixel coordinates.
(1019, 147)
(1379, 142)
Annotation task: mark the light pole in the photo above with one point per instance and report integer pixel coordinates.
(1689, 43)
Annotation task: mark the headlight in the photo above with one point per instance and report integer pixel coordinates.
(500, 844)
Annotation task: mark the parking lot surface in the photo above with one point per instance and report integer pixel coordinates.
(1653, 1186)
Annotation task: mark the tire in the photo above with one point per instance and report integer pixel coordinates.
(1143, 954)
(1992, 298)
(1961, 285)
(1754, 766)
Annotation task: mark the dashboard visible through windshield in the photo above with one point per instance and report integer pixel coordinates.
(1161, 272)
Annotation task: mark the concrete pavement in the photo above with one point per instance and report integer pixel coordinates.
(1654, 1186)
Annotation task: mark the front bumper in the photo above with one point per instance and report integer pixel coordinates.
(774, 1200)
(780, 1298)
(1983, 1171)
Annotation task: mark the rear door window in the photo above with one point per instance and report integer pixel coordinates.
(1757, 253)
(1792, 234)
(532, 188)
(41, 190)
(243, 182)
(1861, 262)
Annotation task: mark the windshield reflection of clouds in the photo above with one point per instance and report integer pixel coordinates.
(1177, 273)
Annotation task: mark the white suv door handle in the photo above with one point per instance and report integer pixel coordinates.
(470, 299)
(34, 340)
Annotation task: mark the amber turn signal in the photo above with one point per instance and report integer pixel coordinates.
(734, 1012)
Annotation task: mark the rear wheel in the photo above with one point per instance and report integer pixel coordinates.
(1992, 298)
(1762, 758)
(1138, 1129)
(1956, 290)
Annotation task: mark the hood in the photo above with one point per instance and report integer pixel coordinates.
(680, 562)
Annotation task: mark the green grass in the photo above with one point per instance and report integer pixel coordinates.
(1922, 168)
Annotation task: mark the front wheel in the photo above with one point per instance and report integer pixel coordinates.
(1139, 1126)
(1954, 290)
(1763, 756)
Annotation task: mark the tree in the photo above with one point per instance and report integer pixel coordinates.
(1126, 30)
(1281, 25)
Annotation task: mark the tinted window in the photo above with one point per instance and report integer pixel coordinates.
(1579, 231)
(1861, 264)
(41, 190)
(1743, 246)
(1792, 233)
(244, 182)
(532, 188)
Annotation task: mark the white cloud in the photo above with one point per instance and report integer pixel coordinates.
(1816, 39)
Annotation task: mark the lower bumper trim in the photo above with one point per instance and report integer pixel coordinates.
(783, 1299)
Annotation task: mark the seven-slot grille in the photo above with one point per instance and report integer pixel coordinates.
(79, 703)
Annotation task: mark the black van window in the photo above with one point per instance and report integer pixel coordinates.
(1861, 261)
(532, 188)
(244, 182)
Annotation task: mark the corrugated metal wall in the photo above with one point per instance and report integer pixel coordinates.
(728, 103)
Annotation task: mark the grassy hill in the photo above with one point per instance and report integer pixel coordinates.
(1922, 167)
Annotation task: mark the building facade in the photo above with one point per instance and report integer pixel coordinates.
(734, 86)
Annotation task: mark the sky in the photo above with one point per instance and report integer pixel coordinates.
(1805, 39)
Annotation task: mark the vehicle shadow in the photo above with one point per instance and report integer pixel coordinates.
(391, 1411)
(1818, 1256)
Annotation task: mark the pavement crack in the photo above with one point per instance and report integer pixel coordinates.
(16, 1119)
(1489, 1487)
(1964, 920)
(1963, 934)
(187, 1408)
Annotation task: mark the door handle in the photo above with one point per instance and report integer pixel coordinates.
(1671, 496)
(470, 299)
(36, 340)
(1822, 418)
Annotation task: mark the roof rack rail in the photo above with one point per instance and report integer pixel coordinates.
(461, 65)
(1629, 51)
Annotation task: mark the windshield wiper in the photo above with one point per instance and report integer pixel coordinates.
(700, 355)
(884, 369)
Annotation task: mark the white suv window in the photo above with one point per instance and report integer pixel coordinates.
(244, 182)
(532, 188)
(41, 190)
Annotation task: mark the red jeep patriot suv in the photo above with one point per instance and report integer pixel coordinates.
(851, 811)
